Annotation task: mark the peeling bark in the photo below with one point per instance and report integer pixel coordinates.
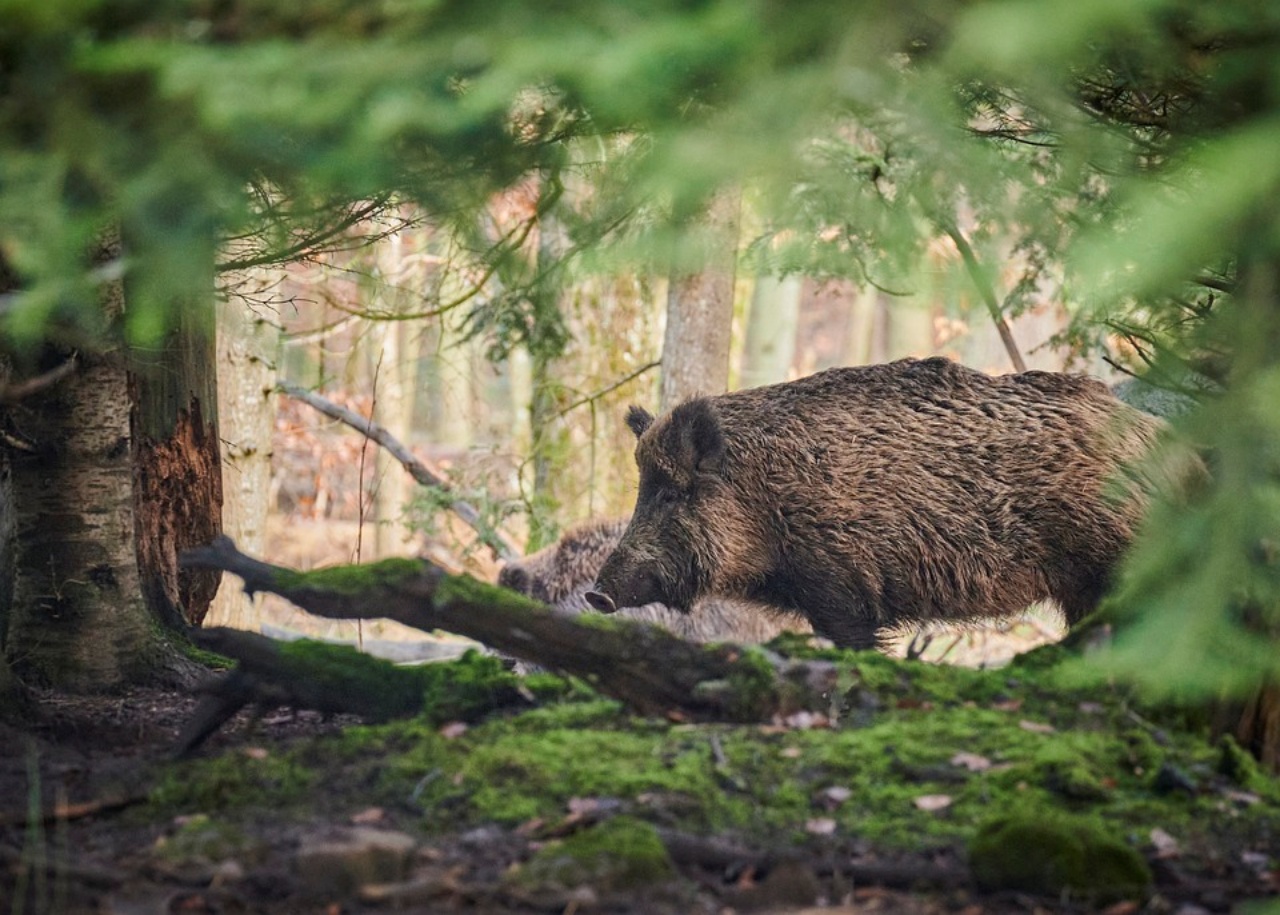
(178, 470)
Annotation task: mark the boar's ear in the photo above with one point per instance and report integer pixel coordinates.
(639, 419)
(700, 444)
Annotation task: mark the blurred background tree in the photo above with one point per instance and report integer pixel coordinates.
(1117, 160)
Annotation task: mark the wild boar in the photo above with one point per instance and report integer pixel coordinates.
(562, 573)
(867, 498)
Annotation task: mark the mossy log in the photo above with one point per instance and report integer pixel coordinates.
(647, 668)
(338, 679)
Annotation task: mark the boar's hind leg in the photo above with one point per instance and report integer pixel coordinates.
(1080, 594)
(847, 631)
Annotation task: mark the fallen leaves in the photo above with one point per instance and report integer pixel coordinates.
(933, 802)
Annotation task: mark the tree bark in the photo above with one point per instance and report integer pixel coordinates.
(695, 344)
(771, 330)
(78, 618)
(247, 358)
(177, 462)
(393, 410)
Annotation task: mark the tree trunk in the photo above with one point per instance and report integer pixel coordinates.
(247, 361)
(864, 303)
(393, 410)
(771, 330)
(78, 619)
(178, 471)
(695, 344)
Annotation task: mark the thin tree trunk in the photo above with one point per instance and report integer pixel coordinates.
(771, 330)
(247, 360)
(550, 436)
(910, 331)
(859, 343)
(393, 410)
(695, 344)
(449, 387)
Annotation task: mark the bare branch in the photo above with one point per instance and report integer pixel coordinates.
(12, 393)
(501, 545)
(987, 293)
(611, 388)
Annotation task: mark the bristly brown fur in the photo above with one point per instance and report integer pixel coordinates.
(869, 497)
(562, 573)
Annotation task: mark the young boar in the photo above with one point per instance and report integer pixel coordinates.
(866, 498)
(562, 573)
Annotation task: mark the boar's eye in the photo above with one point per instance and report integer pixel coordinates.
(658, 490)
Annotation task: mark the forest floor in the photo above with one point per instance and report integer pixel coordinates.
(924, 788)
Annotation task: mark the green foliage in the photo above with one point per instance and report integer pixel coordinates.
(1125, 151)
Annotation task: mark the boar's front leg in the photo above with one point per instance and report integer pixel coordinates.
(858, 634)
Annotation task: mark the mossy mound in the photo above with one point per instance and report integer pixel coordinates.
(912, 757)
(620, 855)
(1057, 855)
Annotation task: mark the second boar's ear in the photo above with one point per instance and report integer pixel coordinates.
(700, 447)
(639, 419)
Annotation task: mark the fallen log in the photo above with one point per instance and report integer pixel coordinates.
(650, 670)
(338, 679)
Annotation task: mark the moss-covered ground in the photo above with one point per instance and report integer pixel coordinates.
(908, 758)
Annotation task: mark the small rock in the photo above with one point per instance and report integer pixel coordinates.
(833, 797)
(1166, 845)
(1170, 779)
(339, 863)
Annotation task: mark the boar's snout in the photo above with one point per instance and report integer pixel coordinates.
(615, 590)
(515, 578)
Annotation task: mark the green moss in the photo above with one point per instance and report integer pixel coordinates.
(1235, 763)
(622, 854)
(753, 684)
(231, 781)
(462, 689)
(203, 840)
(1070, 771)
(1053, 855)
(467, 590)
(353, 579)
(1047, 748)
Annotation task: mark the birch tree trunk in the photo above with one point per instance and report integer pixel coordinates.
(79, 618)
(121, 474)
(695, 344)
(247, 368)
